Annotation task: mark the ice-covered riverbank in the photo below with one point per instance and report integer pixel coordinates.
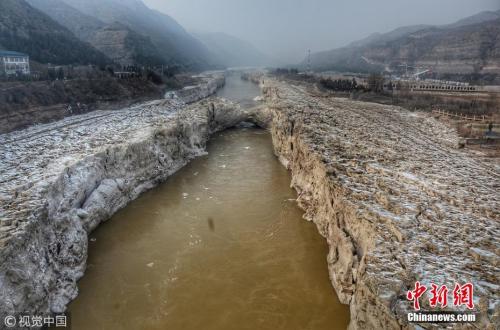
(395, 198)
(60, 180)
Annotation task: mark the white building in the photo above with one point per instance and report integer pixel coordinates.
(14, 63)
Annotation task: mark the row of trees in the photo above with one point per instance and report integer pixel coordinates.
(340, 85)
(375, 83)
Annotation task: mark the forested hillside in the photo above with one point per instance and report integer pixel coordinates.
(26, 29)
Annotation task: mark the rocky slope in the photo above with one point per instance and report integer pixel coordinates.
(119, 42)
(395, 199)
(468, 47)
(82, 26)
(125, 47)
(60, 180)
(172, 42)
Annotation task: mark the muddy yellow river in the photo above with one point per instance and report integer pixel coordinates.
(221, 245)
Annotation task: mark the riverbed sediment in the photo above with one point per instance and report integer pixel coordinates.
(396, 200)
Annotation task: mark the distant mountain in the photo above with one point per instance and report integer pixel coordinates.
(406, 30)
(117, 41)
(484, 16)
(468, 47)
(27, 29)
(229, 51)
(390, 36)
(172, 42)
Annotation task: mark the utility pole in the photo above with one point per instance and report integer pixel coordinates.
(308, 61)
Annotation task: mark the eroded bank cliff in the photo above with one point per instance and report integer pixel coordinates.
(60, 180)
(395, 199)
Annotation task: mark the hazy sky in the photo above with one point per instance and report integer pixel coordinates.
(285, 29)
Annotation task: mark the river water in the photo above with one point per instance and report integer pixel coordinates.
(239, 91)
(221, 245)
